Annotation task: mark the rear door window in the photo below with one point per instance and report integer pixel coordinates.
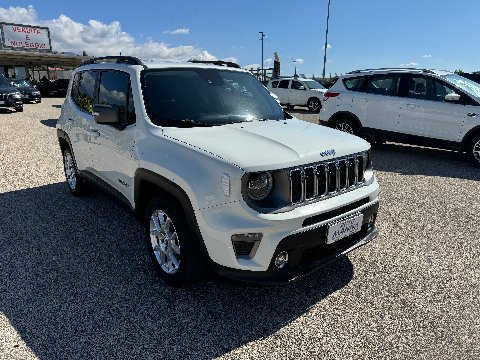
(296, 85)
(354, 84)
(84, 89)
(283, 84)
(384, 85)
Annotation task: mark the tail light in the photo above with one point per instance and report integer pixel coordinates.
(330, 94)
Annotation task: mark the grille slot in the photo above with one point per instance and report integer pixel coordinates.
(326, 179)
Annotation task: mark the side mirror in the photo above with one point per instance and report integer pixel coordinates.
(301, 88)
(452, 97)
(106, 114)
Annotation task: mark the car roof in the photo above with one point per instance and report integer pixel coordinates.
(396, 71)
(118, 62)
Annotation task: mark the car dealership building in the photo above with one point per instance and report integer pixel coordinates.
(26, 53)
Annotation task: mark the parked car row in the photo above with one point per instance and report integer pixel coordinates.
(415, 106)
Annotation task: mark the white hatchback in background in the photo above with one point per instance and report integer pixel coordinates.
(298, 92)
(416, 106)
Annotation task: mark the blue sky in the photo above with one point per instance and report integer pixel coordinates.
(363, 34)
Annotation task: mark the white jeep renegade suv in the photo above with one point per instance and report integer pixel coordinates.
(425, 107)
(217, 171)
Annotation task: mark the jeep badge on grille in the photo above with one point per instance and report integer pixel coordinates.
(327, 152)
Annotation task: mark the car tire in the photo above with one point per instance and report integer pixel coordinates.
(346, 125)
(314, 104)
(75, 183)
(473, 150)
(173, 246)
(290, 107)
(19, 109)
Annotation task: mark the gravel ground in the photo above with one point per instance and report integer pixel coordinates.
(76, 281)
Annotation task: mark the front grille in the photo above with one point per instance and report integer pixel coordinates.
(5, 96)
(327, 178)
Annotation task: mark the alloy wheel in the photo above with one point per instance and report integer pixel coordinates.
(70, 172)
(344, 127)
(164, 241)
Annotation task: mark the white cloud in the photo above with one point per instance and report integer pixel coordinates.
(230, 59)
(410, 64)
(100, 39)
(426, 56)
(251, 66)
(268, 62)
(298, 61)
(181, 31)
(328, 46)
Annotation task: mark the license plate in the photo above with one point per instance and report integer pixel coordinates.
(343, 228)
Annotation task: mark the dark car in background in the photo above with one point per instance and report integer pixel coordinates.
(53, 88)
(9, 95)
(29, 92)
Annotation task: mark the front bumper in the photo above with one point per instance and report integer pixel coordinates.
(307, 252)
(11, 102)
(31, 97)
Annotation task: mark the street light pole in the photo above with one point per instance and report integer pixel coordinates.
(263, 35)
(326, 42)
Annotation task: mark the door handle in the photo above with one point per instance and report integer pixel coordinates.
(412, 106)
(472, 114)
(70, 120)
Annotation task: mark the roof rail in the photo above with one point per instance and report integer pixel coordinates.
(388, 69)
(216, 62)
(130, 60)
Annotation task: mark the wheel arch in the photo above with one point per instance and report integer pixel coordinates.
(471, 133)
(345, 114)
(149, 184)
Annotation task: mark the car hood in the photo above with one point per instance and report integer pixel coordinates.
(27, 89)
(7, 89)
(270, 145)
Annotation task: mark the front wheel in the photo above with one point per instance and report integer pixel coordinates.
(313, 104)
(346, 125)
(173, 247)
(290, 107)
(19, 108)
(473, 150)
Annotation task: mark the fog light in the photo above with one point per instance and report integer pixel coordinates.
(281, 259)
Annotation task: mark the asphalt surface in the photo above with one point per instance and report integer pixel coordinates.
(76, 281)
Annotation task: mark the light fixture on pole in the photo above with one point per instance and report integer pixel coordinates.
(326, 42)
(263, 35)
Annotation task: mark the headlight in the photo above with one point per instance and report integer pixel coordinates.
(36, 93)
(17, 95)
(259, 185)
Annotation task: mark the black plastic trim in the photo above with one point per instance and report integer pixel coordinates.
(297, 245)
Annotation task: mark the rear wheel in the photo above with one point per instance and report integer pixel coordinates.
(473, 150)
(173, 247)
(75, 184)
(346, 125)
(313, 104)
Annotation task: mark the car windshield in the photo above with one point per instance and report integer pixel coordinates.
(469, 86)
(314, 85)
(186, 97)
(4, 81)
(19, 83)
